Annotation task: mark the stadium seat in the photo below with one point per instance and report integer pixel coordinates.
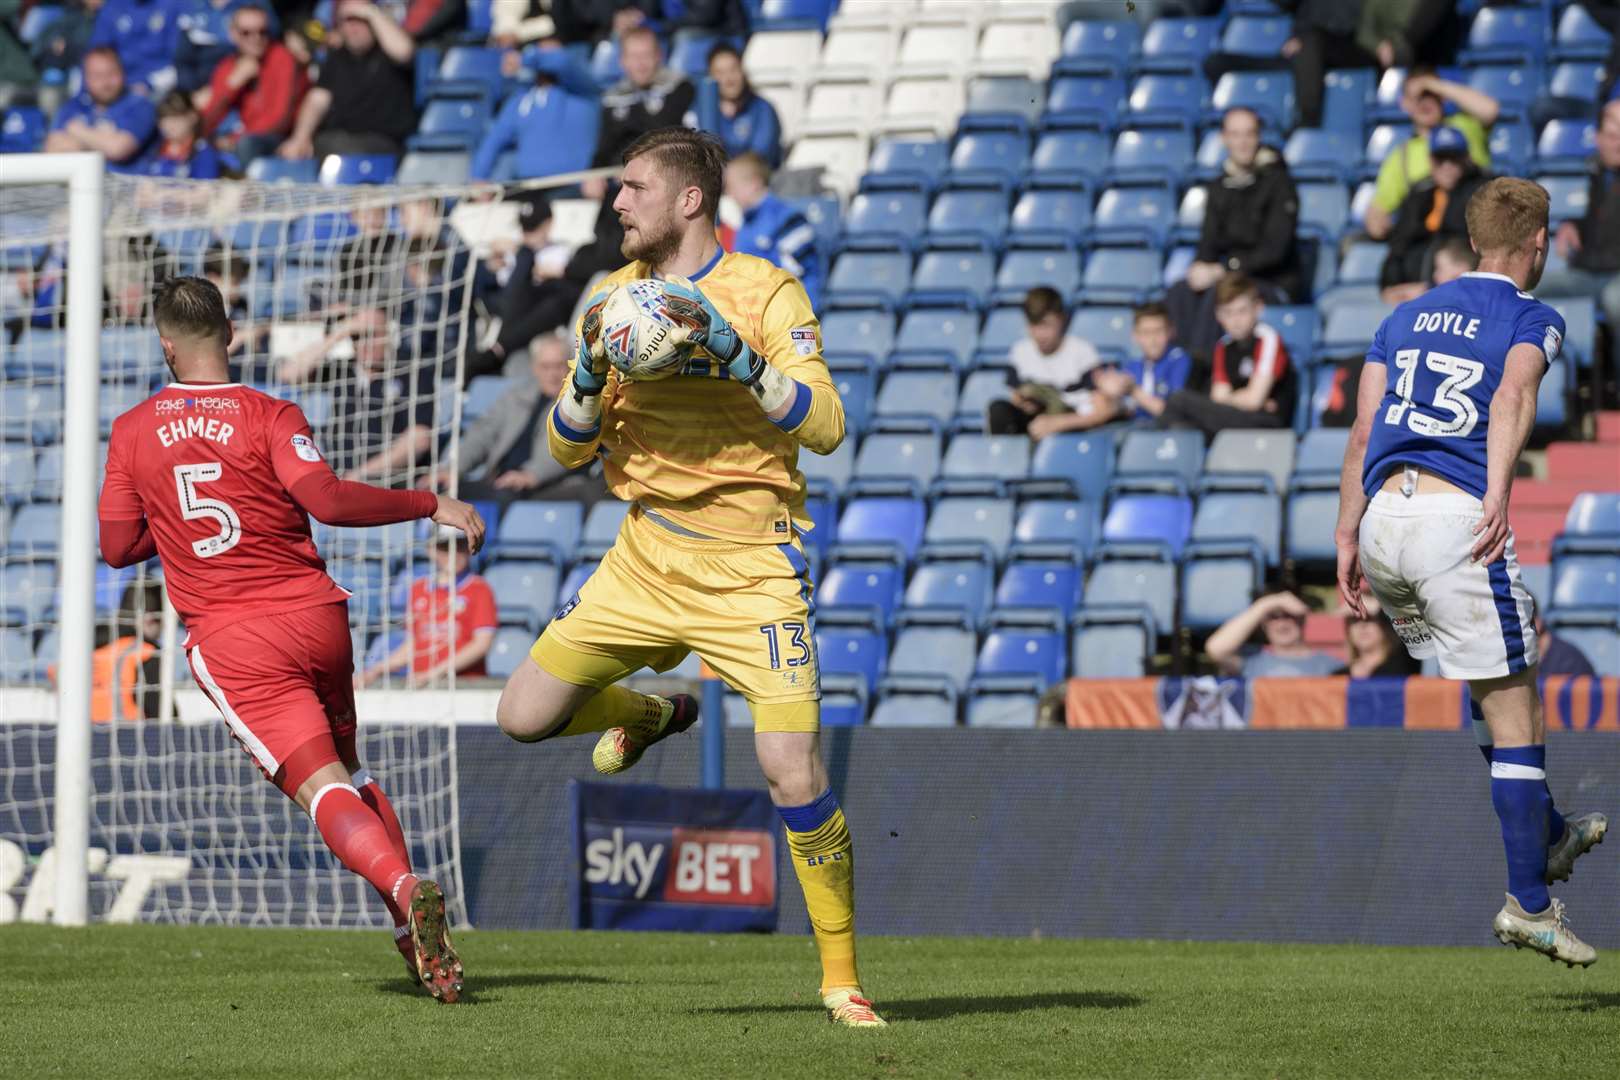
(1297, 325)
(979, 389)
(907, 164)
(855, 387)
(1134, 215)
(842, 104)
(1586, 581)
(1010, 101)
(448, 169)
(1567, 196)
(1321, 154)
(969, 527)
(1022, 271)
(1350, 327)
(1344, 103)
(117, 399)
(849, 52)
(936, 337)
(914, 707)
(1149, 156)
(886, 220)
(1050, 218)
(863, 337)
(539, 530)
(1596, 634)
(1149, 519)
(912, 397)
(1214, 588)
(1149, 455)
(1259, 36)
(1110, 645)
(1248, 517)
(16, 656)
(927, 48)
(956, 591)
(999, 707)
(1514, 86)
(27, 591)
(984, 462)
(1381, 142)
(1074, 464)
(1579, 37)
(602, 524)
(1211, 156)
(38, 354)
(1513, 147)
(1107, 328)
(859, 592)
(482, 393)
(1103, 45)
(960, 279)
(853, 650)
(1140, 586)
(1269, 94)
(923, 105)
(451, 124)
(1319, 458)
(358, 169)
(1023, 46)
(16, 472)
(1311, 518)
(823, 532)
(1565, 145)
(945, 653)
(1074, 159)
(1190, 217)
(906, 462)
(1593, 523)
(1018, 652)
(1166, 100)
(870, 279)
(829, 474)
(772, 55)
(1324, 211)
(1509, 34)
(1178, 44)
(1044, 585)
(1362, 263)
(1263, 454)
(526, 591)
(274, 170)
(886, 524)
(839, 155)
(989, 159)
(469, 70)
(508, 651)
(1002, 327)
(1055, 528)
(967, 219)
(1121, 276)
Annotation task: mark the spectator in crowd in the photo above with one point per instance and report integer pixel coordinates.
(181, 151)
(434, 21)
(725, 18)
(1249, 220)
(206, 38)
(146, 35)
(1591, 244)
(1139, 387)
(17, 71)
(262, 83)
(590, 21)
(728, 107)
(126, 669)
(1558, 657)
(650, 96)
(1280, 618)
(1050, 382)
(364, 100)
(1433, 213)
(553, 124)
(1324, 36)
(536, 297)
(105, 116)
(515, 23)
(60, 49)
(1452, 259)
(452, 599)
(1252, 383)
(1424, 97)
(771, 227)
(504, 454)
(1371, 646)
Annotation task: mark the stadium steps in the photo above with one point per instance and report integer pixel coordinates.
(1608, 428)
(1584, 462)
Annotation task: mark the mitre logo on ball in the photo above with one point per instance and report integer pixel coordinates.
(641, 340)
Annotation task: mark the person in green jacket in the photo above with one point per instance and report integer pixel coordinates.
(1424, 98)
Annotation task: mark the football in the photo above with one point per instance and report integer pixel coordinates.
(642, 341)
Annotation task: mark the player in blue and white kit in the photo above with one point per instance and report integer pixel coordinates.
(1423, 506)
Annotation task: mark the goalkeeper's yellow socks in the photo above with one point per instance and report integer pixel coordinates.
(824, 859)
(615, 707)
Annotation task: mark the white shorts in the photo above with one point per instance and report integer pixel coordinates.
(1477, 621)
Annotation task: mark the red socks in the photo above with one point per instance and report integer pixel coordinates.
(357, 835)
(371, 793)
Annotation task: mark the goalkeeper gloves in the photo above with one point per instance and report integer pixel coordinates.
(687, 305)
(590, 358)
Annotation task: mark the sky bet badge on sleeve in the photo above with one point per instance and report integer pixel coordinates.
(656, 858)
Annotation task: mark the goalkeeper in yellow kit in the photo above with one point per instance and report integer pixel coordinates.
(708, 560)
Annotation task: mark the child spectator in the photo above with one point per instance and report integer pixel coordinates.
(181, 153)
(773, 228)
(1452, 260)
(263, 83)
(1252, 384)
(1050, 386)
(1139, 388)
(429, 648)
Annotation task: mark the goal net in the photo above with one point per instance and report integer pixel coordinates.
(352, 301)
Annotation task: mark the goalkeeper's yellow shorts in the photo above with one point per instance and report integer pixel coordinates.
(745, 609)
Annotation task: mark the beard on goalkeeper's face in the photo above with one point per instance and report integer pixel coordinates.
(653, 239)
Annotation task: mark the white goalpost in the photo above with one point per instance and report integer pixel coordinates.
(122, 795)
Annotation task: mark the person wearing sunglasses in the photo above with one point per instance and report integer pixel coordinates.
(262, 83)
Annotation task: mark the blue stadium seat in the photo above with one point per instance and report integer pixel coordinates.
(508, 651)
(28, 588)
(864, 337)
(969, 527)
(852, 650)
(1381, 142)
(469, 70)
(1581, 581)
(1033, 654)
(1350, 327)
(1297, 325)
(936, 337)
(989, 159)
(1513, 148)
(1177, 456)
(952, 279)
(1514, 86)
(1595, 634)
(1574, 87)
(274, 170)
(1022, 271)
(38, 354)
(984, 463)
(1100, 45)
(451, 124)
(1136, 585)
(1592, 524)
(909, 705)
(1324, 211)
(825, 215)
(1259, 457)
(1040, 584)
(1362, 262)
(602, 524)
(953, 590)
(1580, 326)
(910, 397)
(36, 530)
(979, 389)
(1565, 145)
(1003, 102)
(1322, 154)
(1056, 528)
(1177, 263)
(1177, 44)
(1319, 458)
(885, 220)
(482, 393)
(829, 474)
(859, 591)
(1567, 196)
(1133, 215)
(868, 279)
(1190, 216)
(16, 656)
(1002, 327)
(22, 129)
(793, 14)
(994, 706)
(1214, 588)
(1049, 217)
(906, 164)
(1149, 156)
(1211, 156)
(1069, 158)
(1166, 100)
(1344, 103)
(1241, 516)
(449, 168)
(1093, 100)
(1121, 276)
(1579, 37)
(690, 54)
(1110, 645)
(856, 387)
(116, 400)
(1311, 517)
(1250, 35)
(526, 591)
(16, 472)
(539, 530)
(1553, 397)
(1077, 463)
(1149, 519)
(1270, 94)
(967, 219)
(1511, 34)
(29, 413)
(885, 523)
(939, 652)
(823, 532)
(349, 169)
(906, 462)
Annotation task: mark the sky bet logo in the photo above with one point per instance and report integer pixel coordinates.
(734, 867)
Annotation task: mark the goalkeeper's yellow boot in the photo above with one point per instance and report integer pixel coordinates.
(846, 1006)
(1581, 834)
(621, 747)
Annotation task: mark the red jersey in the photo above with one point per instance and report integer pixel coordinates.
(209, 467)
(430, 619)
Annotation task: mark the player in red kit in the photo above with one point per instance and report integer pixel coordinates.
(219, 480)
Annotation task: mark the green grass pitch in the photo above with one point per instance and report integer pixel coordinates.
(181, 1002)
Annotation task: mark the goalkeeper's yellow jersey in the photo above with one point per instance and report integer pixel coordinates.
(696, 448)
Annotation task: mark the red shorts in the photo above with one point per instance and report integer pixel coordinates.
(282, 681)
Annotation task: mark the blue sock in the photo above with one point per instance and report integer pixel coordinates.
(1519, 793)
(1482, 736)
